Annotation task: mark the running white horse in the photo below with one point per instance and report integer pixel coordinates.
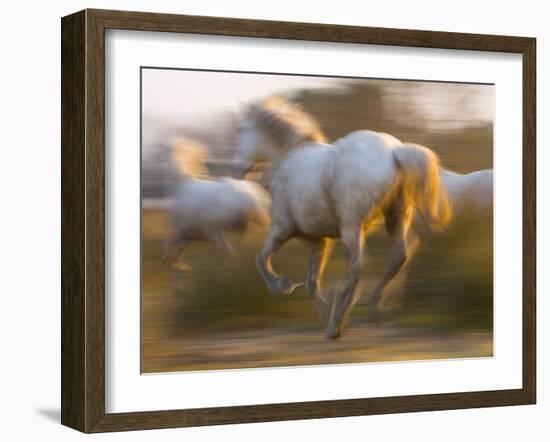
(203, 209)
(322, 191)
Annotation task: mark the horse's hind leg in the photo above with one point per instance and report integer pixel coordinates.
(173, 252)
(277, 285)
(218, 238)
(320, 252)
(353, 239)
(404, 249)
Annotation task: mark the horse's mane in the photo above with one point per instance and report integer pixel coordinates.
(286, 121)
(188, 157)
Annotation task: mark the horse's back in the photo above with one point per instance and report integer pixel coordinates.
(472, 191)
(364, 171)
(368, 139)
(318, 185)
(368, 154)
(248, 196)
(206, 204)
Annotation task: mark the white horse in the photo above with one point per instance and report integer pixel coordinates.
(203, 209)
(322, 191)
(470, 193)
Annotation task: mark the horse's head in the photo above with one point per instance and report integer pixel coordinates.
(254, 144)
(268, 129)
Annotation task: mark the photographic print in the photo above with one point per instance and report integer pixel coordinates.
(295, 220)
(248, 204)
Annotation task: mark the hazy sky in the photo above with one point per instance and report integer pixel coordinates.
(191, 97)
(176, 95)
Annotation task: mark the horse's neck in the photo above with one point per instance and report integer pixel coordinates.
(271, 167)
(277, 155)
(279, 152)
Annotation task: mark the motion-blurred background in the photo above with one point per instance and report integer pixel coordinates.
(217, 313)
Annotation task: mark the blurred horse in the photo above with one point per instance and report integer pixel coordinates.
(470, 196)
(203, 209)
(470, 193)
(324, 191)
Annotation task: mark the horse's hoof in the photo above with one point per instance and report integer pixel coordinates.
(182, 267)
(287, 285)
(333, 333)
(170, 262)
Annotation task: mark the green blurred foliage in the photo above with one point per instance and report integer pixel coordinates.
(446, 289)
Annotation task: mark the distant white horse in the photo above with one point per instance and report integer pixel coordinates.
(470, 193)
(203, 209)
(322, 191)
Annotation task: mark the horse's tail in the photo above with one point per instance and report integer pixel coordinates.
(187, 158)
(422, 188)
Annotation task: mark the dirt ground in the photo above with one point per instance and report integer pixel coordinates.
(217, 314)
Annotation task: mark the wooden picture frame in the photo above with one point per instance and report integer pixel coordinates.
(83, 220)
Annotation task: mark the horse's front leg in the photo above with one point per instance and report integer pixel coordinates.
(353, 239)
(277, 285)
(320, 252)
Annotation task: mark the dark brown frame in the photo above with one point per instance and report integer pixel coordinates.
(83, 217)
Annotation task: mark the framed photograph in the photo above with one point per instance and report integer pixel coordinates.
(269, 220)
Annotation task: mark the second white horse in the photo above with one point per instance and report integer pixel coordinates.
(204, 208)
